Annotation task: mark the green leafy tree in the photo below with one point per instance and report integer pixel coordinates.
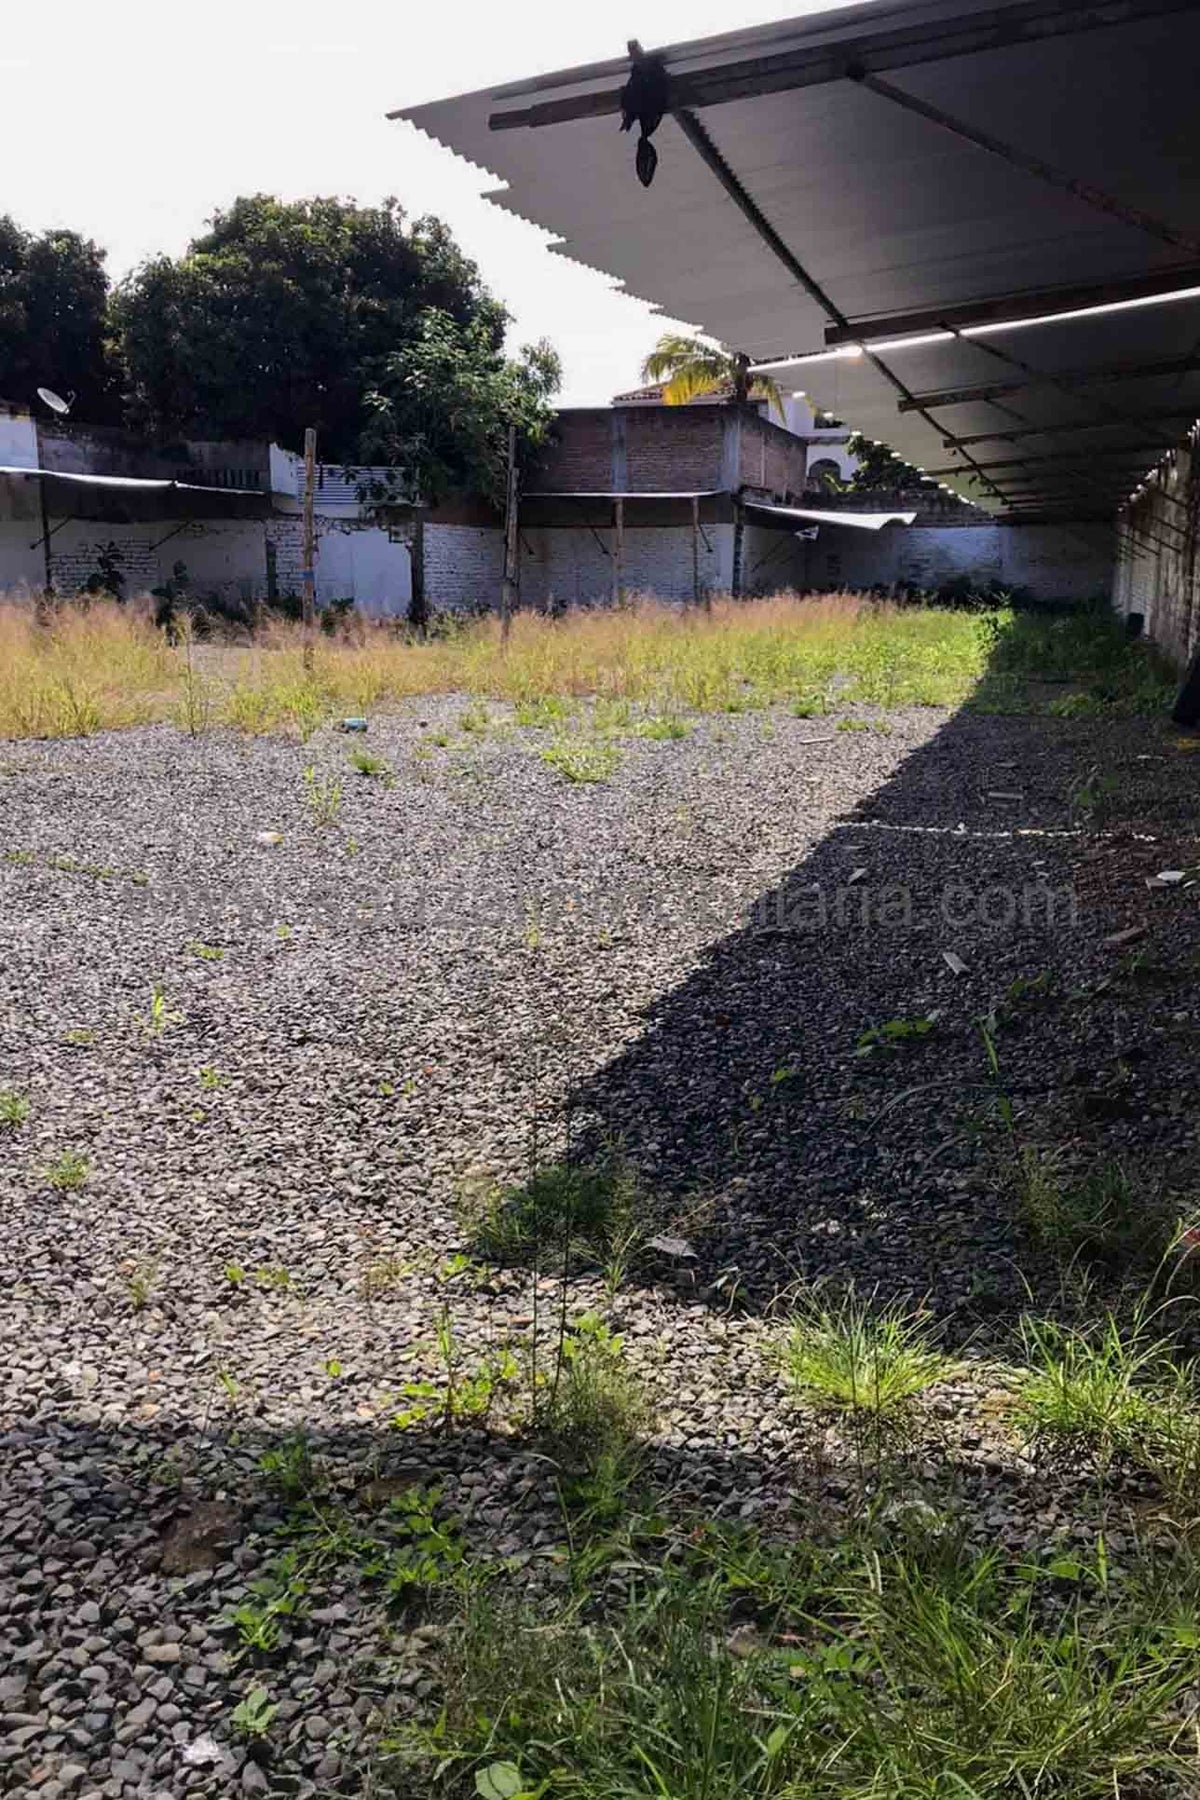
(289, 314)
(880, 470)
(689, 368)
(442, 408)
(53, 300)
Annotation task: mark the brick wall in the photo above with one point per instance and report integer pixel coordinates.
(769, 458)
(76, 549)
(634, 449)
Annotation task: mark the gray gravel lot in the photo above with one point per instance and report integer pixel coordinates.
(474, 964)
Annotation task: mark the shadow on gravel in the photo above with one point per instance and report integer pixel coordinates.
(979, 884)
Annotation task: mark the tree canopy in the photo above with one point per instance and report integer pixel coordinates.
(289, 314)
(689, 368)
(53, 331)
(443, 405)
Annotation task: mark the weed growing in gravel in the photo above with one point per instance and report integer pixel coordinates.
(383, 1275)
(1103, 1215)
(893, 1034)
(569, 1211)
(580, 760)
(289, 1469)
(544, 712)
(462, 1395)
(324, 797)
(374, 768)
(82, 1037)
(211, 1079)
(595, 1410)
(1111, 1390)
(279, 1595)
(14, 1108)
(139, 1282)
(252, 1716)
(852, 725)
(206, 952)
(68, 1171)
(857, 1357)
(665, 728)
(161, 1016)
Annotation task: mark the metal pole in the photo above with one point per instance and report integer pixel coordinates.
(308, 578)
(49, 589)
(508, 586)
(695, 549)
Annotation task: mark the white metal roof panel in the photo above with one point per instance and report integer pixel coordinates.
(887, 212)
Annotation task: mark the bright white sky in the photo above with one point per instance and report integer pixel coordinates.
(131, 121)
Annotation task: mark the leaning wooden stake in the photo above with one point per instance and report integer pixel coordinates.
(308, 578)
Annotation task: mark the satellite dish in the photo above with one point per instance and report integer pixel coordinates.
(54, 401)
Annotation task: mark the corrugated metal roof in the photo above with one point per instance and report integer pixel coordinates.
(127, 481)
(890, 214)
(865, 521)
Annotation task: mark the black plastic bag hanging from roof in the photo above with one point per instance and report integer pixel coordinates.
(645, 98)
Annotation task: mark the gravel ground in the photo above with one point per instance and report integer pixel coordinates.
(474, 964)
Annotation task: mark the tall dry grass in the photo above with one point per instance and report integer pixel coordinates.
(74, 670)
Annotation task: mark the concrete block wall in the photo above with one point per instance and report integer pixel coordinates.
(1156, 572)
(1056, 562)
(464, 566)
(570, 566)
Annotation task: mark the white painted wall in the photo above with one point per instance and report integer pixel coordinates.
(366, 565)
(18, 440)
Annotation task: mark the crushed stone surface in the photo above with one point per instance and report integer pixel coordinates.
(277, 1065)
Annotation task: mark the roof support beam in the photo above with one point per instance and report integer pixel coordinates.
(993, 390)
(1036, 303)
(704, 147)
(1036, 166)
(819, 63)
(1029, 431)
(1085, 459)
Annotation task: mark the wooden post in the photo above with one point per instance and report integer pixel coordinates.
(695, 549)
(47, 565)
(618, 551)
(739, 533)
(308, 577)
(508, 587)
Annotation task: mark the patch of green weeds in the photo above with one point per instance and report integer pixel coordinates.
(581, 760)
(206, 952)
(854, 1356)
(1102, 1214)
(543, 712)
(894, 1034)
(253, 1715)
(1114, 1390)
(324, 797)
(585, 1214)
(290, 1469)
(852, 725)
(68, 1171)
(665, 727)
(878, 1671)
(14, 1108)
(161, 1015)
(373, 768)
(463, 1395)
